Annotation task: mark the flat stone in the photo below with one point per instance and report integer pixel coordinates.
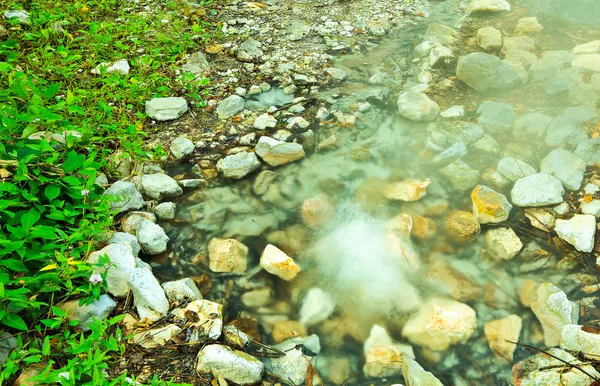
(554, 311)
(276, 262)
(317, 306)
(238, 165)
(159, 186)
(148, 296)
(502, 243)
(232, 365)
(230, 106)
(276, 153)
(579, 231)
(460, 175)
(227, 255)
(488, 6)
(125, 195)
(440, 323)
(587, 62)
(182, 147)
(501, 333)
(152, 238)
(489, 38)
(485, 72)
(99, 309)
(166, 109)
(537, 190)
(513, 168)
(565, 167)
(565, 130)
(417, 106)
(489, 206)
(496, 116)
(182, 289)
(592, 47)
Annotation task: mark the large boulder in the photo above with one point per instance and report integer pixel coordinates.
(485, 72)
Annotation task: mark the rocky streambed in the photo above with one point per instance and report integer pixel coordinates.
(414, 202)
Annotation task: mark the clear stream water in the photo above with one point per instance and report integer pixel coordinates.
(348, 255)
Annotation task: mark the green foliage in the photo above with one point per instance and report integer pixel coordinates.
(59, 125)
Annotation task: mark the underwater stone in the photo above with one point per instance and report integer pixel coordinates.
(485, 72)
(276, 153)
(227, 255)
(417, 106)
(579, 231)
(554, 311)
(536, 190)
(158, 186)
(489, 206)
(565, 167)
(276, 262)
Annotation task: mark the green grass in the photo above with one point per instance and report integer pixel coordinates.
(51, 211)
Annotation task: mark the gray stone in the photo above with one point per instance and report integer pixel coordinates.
(589, 150)
(238, 165)
(496, 116)
(294, 365)
(536, 190)
(489, 38)
(132, 221)
(451, 154)
(576, 338)
(438, 33)
(528, 25)
(85, 314)
(196, 64)
(566, 167)
(554, 311)
(166, 109)
(276, 153)
(336, 73)
(165, 210)
(565, 130)
(565, 57)
(159, 186)
(440, 55)
(488, 6)
(230, 106)
(148, 296)
(127, 239)
(532, 126)
(526, 58)
(264, 121)
(21, 15)
(182, 147)
(485, 72)
(152, 238)
(232, 365)
(125, 195)
(460, 175)
(579, 231)
(564, 81)
(583, 93)
(421, 50)
(417, 106)
(122, 263)
(592, 207)
(190, 183)
(7, 344)
(513, 168)
(592, 47)
(444, 134)
(518, 43)
(249, 50)
(544, 68)
(182, 289)
(587, 62)
(487, 144)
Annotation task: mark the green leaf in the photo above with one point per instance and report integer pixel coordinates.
(1, 290)
(18, 86)
(14, 264)
(52, 90)
(46, 346)
(14, 321)
(73, 162)
(59, 312)
(52, 191)
(70, 98)
(29, 219)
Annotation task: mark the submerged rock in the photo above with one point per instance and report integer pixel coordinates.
(489, 206)
(415, 375)
(579, 231)
(182, 147)
(409, 190)
(276, 153)
(502, 243)
(440, 323)
(536, 190)
(587, 62)
(496, 116)
(386, 360)
(565, 130)
(546, 370)
(532, 125)
(489, 38)
(528, 25)
(513, 168)
(232, 365)
(317, 211)
(317, 306)
(566, 167)
(276, 262)
(227, 255)
(462, 226)
(488, 6)
(460, 175)
(238, 165)
(230, 106)
(417, 106)
(554, 311)
(485, 72)
(166, 109)
(502, 335)
(576, 338)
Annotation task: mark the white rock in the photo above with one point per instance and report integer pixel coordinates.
(592, 207)
(579, 231)
(587, 62)
(122, 264)
(317, 306)
(165, 210)
(264, 121)
(232, 365)
(276, 262)
(257, 298)
(513, 168)
(502, 243)
(276, 153)
(566, 167)
(125, 195)
(127, 239)
(554, 311)
(238, 165)
(528, 25)
(489, 38)
(182, 147)
(591, 189)
(196, 64)
(155, 337)
(230, 106)
(422, 49)
(298, 122)
(440, 323)
(294, 365)
(574, 338)
(166, 109)
(488, 6)
(131, 221)
(440, 55)
(159, 186)
(537, 190)
(541, 369)
(120, 66)
(417, 106)
(21, 15)
(182, 289)
(152, 238)
(377, 337)
(148, 296)
(85, 314)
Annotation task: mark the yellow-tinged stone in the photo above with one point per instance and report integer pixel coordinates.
(501, 334)
(317, 211)
(227, 255)
(489, 206)
(276, 262)
(409, 190)
(287, 329)
(462, 226)
(423, 227)
(386, 361)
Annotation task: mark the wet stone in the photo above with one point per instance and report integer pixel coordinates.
(489, 206)
(513, 168)
(438, 33)
(230, 106)
(554, 311)
(489, 38)
(592, 47)
(165, 210)
(545, 68)
(238, 165)
(487, 144)
(294, 365)
(565, 130)
(589, 150)
(528, 25)
(460, 175)
(496, 116)
(227, 255)
(541, 370)
(587, 62)
(563, 82)
(566, 167)
(414, 374)
(524, 43)
(287, 329)
(462, 226)
(536, 190)
(417, 106)
(501, 333)
(182, 147)
(152, 237)
(384, 361)
(276, 153)
(159, 186)
(526, 58)
(502, 243)
(317, 306)
(444, 134)
(575, 338)
(276, 262)
(485, 72)
(579, 231)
